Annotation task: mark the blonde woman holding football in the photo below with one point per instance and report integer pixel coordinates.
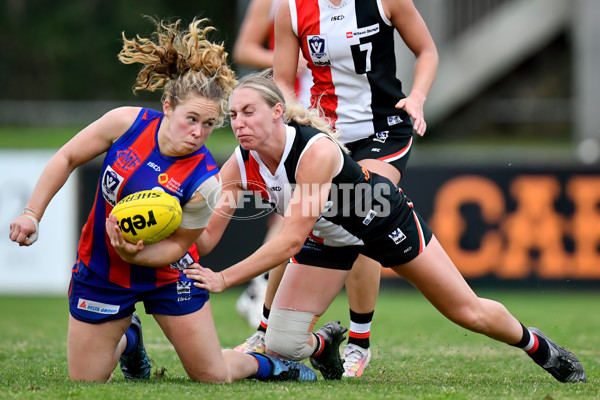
(161, 150)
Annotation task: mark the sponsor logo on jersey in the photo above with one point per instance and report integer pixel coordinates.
(127, 159)
(184, 287)
(363, 32)
(381, 137)
(111, 182)
(394, 120)
(397, 236)
(96, 307)
(153, 166)
(376, 149)
(317, 46)
(369, 217)
(276, 188)
(170, 183)
(163, 178)
(337, 17)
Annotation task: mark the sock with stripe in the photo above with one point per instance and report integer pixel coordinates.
(132, 336)
(536, 347)
(264, 320)
(360, 329)
(265, 367)
(320, 345)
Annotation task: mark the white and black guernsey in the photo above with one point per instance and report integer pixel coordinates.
(360, 202)
(351, 54)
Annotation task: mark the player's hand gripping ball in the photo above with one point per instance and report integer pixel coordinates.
(149, 215)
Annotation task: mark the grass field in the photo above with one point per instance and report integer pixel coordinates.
(416, 354)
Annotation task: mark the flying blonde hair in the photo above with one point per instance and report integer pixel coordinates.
(181, 62)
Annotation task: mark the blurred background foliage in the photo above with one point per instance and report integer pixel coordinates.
(68, 50)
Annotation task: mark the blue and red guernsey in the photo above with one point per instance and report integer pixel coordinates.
(134, 163)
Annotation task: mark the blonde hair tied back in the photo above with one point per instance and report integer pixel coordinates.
(294, 111)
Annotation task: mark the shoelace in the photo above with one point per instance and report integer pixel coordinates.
(354, 355)
(255, 341)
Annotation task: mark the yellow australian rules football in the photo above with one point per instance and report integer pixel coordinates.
(149, 215)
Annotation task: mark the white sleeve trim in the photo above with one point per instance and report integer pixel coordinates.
(382, 13)
(310, 143)
(242, 167)
(294, 16)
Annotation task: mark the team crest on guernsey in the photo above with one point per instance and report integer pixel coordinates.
(317, 46)
(128, 159)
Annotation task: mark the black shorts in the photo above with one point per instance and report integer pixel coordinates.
(392, 147)
(395, 246)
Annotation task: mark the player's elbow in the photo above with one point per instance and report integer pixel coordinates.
(294, 245)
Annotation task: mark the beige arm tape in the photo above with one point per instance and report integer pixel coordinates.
(196, 215)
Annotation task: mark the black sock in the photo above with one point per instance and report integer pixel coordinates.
(262, 327)
(360, 329)
(535, 346)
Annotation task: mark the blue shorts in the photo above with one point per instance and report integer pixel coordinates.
(94, 300)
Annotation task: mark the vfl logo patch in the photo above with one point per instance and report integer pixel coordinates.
(317, 46)
(369, 217)
(183, 262)
(111, 182)
(397, 236)
(394, 120)
(382, 136)
(184, 287)
(96, 307)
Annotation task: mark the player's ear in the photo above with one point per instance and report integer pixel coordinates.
(167, 108)
(277, 111)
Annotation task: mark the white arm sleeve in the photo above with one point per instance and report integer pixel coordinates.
(196, 215)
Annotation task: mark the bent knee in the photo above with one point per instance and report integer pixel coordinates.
(289, 333)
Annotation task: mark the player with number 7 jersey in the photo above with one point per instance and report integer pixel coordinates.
(350, 52)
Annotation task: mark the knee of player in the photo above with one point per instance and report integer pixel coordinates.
(289, 334)
(472, 316)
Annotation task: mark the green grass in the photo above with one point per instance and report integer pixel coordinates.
(416, 353)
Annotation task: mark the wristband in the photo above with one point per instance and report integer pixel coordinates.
(30, 212)
(34, 236)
